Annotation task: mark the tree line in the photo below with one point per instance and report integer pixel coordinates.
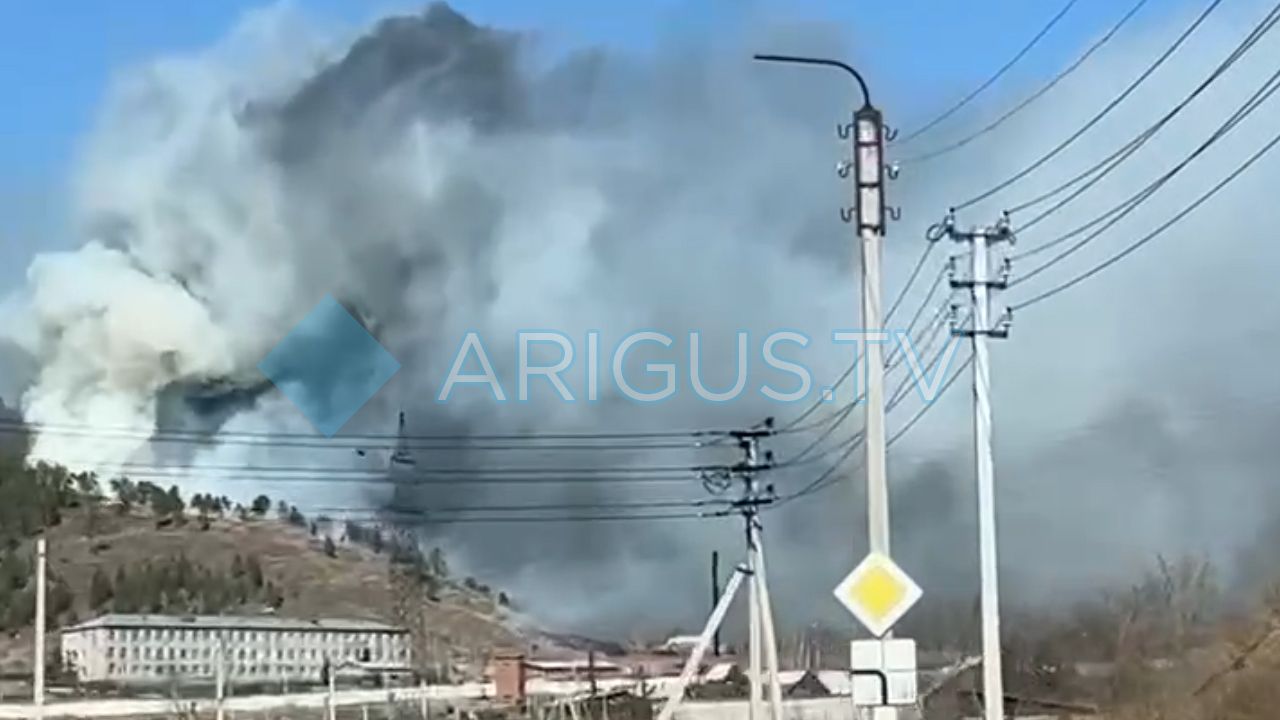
(40, 495)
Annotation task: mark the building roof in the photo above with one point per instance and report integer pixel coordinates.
(570, 665)
(233, 622)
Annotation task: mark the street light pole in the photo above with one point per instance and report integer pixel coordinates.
(867, 132)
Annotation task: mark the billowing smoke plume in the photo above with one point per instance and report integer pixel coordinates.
(437, 178)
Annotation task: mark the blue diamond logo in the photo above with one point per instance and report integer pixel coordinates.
(329, 366)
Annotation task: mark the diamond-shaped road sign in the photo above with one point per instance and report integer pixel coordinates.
(878, 593)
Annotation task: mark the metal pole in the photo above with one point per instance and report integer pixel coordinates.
(992, 676)
(37, 696)
(715, 595)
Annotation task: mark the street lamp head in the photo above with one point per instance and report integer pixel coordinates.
(800, 60)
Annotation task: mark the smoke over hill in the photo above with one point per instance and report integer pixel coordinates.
(438, 177)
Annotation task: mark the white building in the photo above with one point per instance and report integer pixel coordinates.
(138, 649)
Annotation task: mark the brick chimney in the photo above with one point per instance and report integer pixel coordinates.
(509, 676)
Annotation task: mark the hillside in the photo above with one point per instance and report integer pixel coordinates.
(149, 550)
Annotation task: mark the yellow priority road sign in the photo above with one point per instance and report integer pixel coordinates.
(878, 593)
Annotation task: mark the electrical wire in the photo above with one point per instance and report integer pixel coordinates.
(1035, 40)
(362, 439)
(1154, 233)
(320, 443)
(828, 477)
(1119, 212)
(1098, 117)
(562, 519)
(1100, 170)
(411, 481)
(897, 397)
(348, 512)
(994, 124)
(848, 371)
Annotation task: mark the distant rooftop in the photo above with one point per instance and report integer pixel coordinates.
(232, 622)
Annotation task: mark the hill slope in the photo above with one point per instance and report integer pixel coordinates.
(153, 553)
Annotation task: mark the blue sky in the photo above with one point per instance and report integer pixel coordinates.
(56, 57)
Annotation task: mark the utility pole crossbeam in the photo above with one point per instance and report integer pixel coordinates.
(980, 284)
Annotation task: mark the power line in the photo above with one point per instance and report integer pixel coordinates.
(562, 519)
(347, 512)
(412, 480)
(906, 287)
(924, 409)
(848, 371)
(320, 443)
(1104, 167)
(1119, 212)
(897, 398)
(994, 124)
(1106, 110)
(991, 80)
(828, 478)
(1154, 233)
(451, 471)
(364, 439)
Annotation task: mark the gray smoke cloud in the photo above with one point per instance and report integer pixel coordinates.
(439, 178)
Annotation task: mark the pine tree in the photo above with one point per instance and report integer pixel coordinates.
(261, 505)
(255, 571)
(100, 590)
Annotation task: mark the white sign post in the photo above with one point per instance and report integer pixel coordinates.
(879, 593)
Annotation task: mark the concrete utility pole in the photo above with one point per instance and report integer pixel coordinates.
(752, 571)
(762, 636)
(868, 134)
(37, 671)
(868, 147)
(755, 708)
(980, 284)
